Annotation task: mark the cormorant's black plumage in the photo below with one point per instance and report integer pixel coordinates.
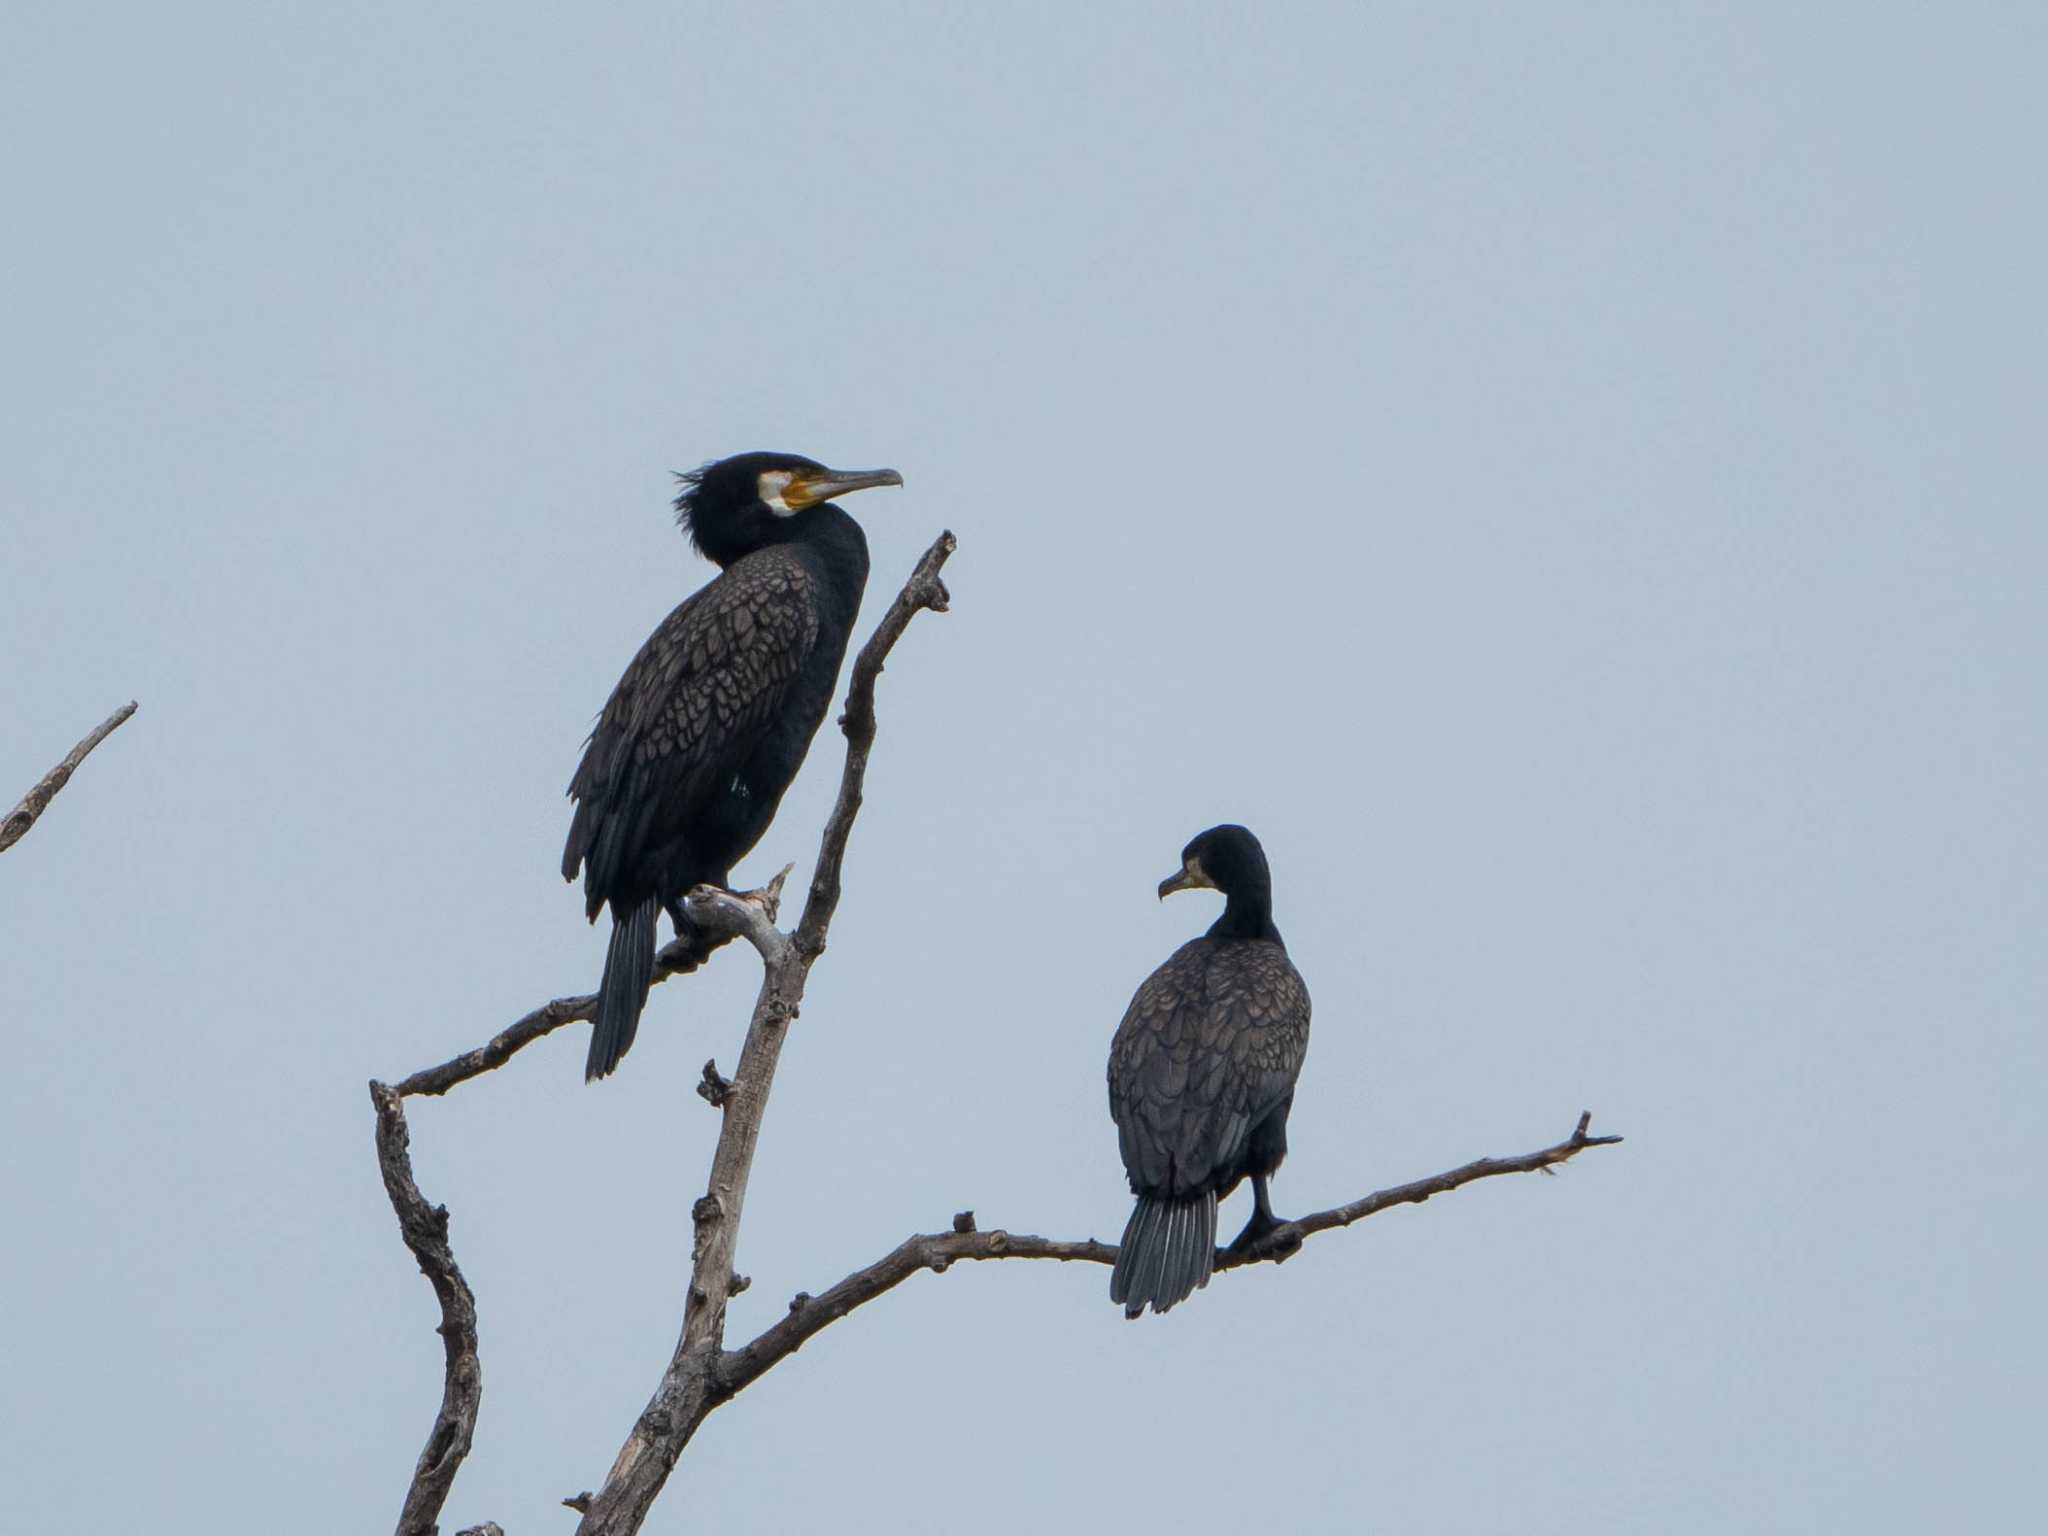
(709, 725)
(1201, 1077)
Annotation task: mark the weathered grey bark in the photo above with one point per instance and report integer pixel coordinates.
(425, 1229)
(37, 800)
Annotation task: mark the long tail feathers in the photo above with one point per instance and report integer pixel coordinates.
(1168, 1251)
(628, 972)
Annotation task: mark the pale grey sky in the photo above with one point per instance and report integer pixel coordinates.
(1569, 477)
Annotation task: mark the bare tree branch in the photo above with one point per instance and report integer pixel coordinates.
(501, 1047)
(923, 590)
(701, 1373)
(425, 1229)
(938, 1251)
(1287, 1238)
(37, 800)
(690, 1388)
(431, 1082)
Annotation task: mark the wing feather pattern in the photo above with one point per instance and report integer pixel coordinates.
(1212, 1043)
(687, 713)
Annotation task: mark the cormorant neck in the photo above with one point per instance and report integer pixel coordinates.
(1247, 915)
(825, 525)
(838, 538)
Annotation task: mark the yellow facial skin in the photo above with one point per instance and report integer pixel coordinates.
(786, 491)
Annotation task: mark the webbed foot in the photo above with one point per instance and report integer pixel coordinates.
(1256, 1232)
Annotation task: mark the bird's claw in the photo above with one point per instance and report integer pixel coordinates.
(681, 956)
(1266, 1237)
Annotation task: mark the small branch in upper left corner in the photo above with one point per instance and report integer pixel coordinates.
(37, 800)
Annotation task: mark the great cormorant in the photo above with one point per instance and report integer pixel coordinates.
(696, 745)
(1201, 1077)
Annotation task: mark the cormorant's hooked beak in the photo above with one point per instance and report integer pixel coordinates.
(809, 490)
(1190, 878)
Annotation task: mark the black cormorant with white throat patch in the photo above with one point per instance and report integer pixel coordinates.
(712, 720)
(1201, 1077)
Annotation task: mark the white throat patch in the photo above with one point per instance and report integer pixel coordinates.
(772, 484)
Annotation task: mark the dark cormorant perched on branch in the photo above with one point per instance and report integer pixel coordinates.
(712, 720)
(1201, 1077)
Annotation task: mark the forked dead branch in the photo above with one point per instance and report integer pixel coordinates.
(425, 1229)
(702, 1373)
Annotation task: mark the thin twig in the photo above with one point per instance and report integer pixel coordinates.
(938, 1251)
(425, 1229)
(1286, 1239)
(690, 1388)
(37, 800)
(924, 590)
(501, 1047)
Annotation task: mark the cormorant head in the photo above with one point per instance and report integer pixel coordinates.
(738, 505)
(1227, 859)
